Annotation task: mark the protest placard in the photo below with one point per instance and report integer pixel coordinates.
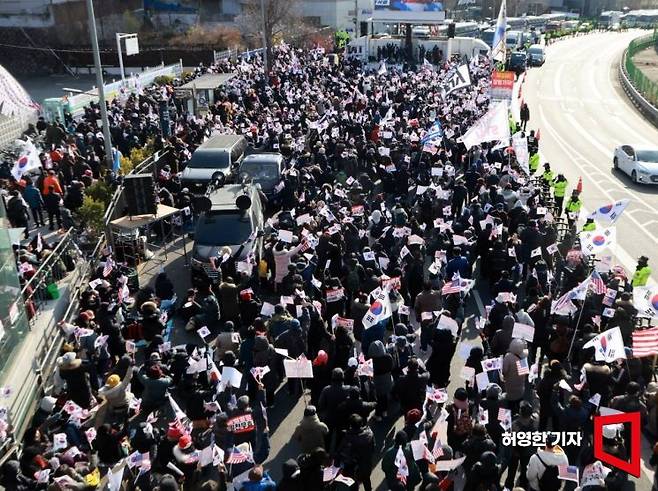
(523, 331)
(298, 368)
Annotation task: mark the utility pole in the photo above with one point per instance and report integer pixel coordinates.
(99, 82)
(262, 11)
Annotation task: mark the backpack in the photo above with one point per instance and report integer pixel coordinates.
(549, 480)
(463, 424)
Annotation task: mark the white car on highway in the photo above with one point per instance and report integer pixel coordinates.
(640, 163)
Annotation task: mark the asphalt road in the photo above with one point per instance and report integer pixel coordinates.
(577, 102)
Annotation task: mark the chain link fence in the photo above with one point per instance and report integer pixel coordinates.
(647, 87)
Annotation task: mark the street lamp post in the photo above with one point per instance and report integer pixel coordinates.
(123, 76)
(99, 81)
(120, 36)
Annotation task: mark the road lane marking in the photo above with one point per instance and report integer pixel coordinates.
(556, 82)
(601, 148)
(627, 257)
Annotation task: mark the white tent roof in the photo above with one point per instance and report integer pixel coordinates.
(14, 99)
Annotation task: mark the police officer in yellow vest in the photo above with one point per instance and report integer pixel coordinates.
(642, 272)
(589, 225)
(534, 163)
(559, 190)
(573, 208)
(548, 175)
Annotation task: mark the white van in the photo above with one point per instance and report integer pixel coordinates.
(420, 32)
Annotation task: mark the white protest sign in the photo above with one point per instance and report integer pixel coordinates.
(231, 376)
(267, 309)
(523, 331)
(482, 380)
(448, 465)
(286, 236)
(448, 323)
(301, 368)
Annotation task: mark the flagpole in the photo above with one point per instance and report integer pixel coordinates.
(573, 339)
(303, 393)
(230, 466)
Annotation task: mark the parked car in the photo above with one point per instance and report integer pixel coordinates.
(536, 55)
(641, 163)
(264, 169)
(219, 156)
(231, 222)
(518, 62)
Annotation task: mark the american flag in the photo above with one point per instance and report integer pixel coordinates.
(437, 449)
(453, 287)
(427, 455)
(568, 472)
(645, 342)
(237, 456)
(597, 285)
(522, 367)
(109, 266)
(563, 300)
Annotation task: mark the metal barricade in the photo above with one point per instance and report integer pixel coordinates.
(42, 287)
(562, 228)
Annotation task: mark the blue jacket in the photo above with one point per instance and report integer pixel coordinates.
(458, 264)
(372, 334)
(265, 484)
(32, 196)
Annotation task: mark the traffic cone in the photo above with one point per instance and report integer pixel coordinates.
(579, 186)
(537, 135)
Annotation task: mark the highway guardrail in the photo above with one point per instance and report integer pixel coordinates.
(641, 90)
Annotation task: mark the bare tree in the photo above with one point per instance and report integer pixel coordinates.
(269, 19)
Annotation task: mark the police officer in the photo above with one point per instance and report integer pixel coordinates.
(589, 225)
(534, 162)
(559, 190)
(533, 143)
(642, 272)
(548, 175)
(573, 208)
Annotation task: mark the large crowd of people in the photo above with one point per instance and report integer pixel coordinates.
(414, 267)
